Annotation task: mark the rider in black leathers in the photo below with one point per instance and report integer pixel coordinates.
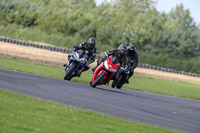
(90, 47)
(132, 60)
(120, 53)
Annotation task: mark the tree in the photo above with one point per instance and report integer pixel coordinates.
(179, 18)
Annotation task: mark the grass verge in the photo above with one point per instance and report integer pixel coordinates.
(174, 88)
(22, 114)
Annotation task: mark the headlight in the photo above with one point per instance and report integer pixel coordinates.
(113, 70)
(106, 65)
(76, 56)
(82, 61)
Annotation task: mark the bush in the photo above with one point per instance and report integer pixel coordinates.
(191, 65)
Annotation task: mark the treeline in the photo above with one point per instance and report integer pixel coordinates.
(161, 39)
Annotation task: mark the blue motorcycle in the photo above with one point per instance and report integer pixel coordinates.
(76, 64)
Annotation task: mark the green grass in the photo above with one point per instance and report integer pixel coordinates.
(174, 88)
(23, 114)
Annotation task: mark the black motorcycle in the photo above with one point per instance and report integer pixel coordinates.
(121, 77)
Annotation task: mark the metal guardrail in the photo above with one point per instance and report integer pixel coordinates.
(28, 44)
(63, 50)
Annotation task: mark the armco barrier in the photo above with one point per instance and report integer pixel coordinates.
(63, 50)
(51, 48)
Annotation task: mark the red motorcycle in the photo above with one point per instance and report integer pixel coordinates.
(105, 71)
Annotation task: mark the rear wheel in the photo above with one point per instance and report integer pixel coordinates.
(98, 79)
(70, 71)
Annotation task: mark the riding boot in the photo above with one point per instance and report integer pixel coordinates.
(127, 80)
(93, 69)
(67, 64)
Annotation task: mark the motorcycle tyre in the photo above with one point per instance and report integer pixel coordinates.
(70, 71)
(114, 84)
(119, 86)
(98, 79)
(91, 83)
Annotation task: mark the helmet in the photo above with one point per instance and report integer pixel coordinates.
(92, 42)
(131, 50)
(122, 49)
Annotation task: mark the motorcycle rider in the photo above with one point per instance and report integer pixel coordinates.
(132, 58)
(120, 53)
(90, 47)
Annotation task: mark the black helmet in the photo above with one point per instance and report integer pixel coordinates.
(122, 49)
(92, 42)
(131, 50)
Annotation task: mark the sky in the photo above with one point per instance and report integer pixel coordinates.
(167, 5)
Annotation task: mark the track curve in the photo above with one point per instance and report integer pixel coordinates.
(159, 110)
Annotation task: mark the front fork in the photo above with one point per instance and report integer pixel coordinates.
(121, 76)
(68, 65)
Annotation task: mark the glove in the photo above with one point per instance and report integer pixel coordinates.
(69, 56)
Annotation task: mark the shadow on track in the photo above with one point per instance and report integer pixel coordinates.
(119, 91)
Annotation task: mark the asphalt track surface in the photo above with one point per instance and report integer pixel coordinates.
(154, 109)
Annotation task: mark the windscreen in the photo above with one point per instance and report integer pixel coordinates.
(115, 60)
(81, 53)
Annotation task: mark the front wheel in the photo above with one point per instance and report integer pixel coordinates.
(91, 83)
(70, 71)
(119, 86)
(114, 83)
(120, 82)
(98, 79)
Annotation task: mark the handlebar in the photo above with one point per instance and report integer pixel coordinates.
(123, 69)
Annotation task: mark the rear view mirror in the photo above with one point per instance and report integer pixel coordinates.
(105, 54)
